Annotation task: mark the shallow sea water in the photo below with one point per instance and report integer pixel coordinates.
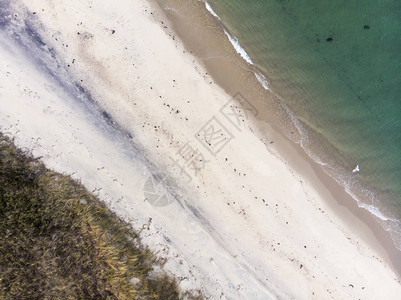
(337, 66)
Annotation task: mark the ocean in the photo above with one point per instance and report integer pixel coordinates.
(336, 65)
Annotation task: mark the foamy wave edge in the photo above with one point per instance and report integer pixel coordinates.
(239, 49)
(233, 40)
(237, 46)
(210, 9)
(391, 225)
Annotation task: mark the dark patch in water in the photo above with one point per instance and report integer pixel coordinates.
(366, 27)
(329, 39)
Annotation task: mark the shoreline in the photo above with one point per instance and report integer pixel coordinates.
(378, 237)
(246, 225)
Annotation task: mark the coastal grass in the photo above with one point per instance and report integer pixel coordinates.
(58, 241)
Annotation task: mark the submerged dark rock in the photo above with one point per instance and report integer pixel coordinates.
(329, 39)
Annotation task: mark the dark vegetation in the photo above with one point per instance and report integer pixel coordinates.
(58, 241)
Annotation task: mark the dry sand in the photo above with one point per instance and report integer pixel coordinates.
(114, 97)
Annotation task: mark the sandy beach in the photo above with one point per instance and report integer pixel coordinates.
(177, 143)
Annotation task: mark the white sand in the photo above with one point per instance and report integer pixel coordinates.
(245, 227)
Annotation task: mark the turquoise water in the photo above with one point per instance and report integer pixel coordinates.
(337, 66)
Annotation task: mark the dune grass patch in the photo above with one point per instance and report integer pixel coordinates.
(59, 241)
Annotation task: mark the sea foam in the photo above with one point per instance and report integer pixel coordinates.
(262, 79)
(233, 40)
(210, 9)
(241, 51)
